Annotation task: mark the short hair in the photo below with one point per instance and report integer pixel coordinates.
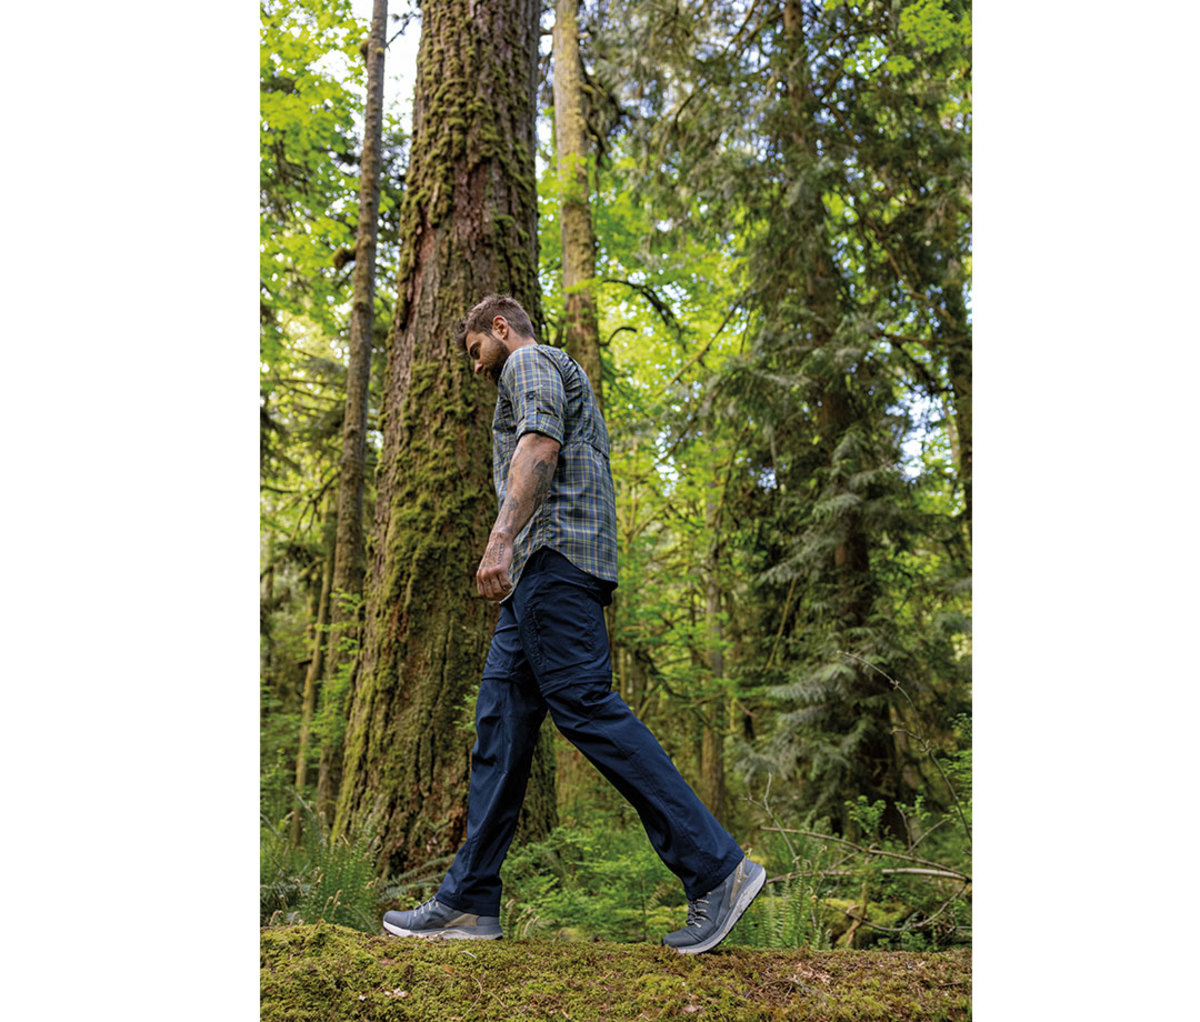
(479, 319)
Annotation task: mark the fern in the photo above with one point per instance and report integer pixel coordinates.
(320, 880)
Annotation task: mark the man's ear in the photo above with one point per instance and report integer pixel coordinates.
(500, 327)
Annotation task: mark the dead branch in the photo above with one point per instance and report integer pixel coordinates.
(871, 851)
(936, 874)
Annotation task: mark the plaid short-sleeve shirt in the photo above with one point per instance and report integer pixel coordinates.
(544, 390)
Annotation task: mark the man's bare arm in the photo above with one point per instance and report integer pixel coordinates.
(529, 475)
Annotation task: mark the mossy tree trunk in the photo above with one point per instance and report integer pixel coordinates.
(578, 240)
(266, 602)
(349, 556)
(468, 221)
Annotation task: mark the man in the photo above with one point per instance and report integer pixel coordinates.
(551, 562)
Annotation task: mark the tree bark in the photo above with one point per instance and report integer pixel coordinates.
(348, 560)
(578, 241)
(469, 223)
(309, 704)
(712, 745)
(958, 357)
(266, 603)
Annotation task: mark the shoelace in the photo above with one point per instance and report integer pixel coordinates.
(422, 910)
(696, 914)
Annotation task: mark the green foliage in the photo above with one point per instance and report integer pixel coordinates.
(597, 878)
(329, 725)
(308, 186)
(277, 769)
(321, 880)
(591, 880)
(957, 766)
(830, 158)
(790, 911)
(873, 891)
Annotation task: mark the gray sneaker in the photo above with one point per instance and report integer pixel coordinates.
(434, 920)
(711, 917)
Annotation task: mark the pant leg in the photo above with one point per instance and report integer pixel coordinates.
(508, 715)
(560, 616)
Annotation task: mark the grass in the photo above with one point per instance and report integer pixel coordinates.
(331, 973)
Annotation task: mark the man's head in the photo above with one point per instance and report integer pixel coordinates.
(492, 330)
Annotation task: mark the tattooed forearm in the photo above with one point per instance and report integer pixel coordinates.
(529, 477)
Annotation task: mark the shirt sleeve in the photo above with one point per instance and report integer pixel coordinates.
(535, 389)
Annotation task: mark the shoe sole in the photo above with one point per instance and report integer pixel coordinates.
(450, 934)
(744, 898)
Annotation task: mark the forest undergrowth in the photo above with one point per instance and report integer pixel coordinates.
(597, 878)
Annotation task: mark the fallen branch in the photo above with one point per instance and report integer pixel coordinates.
(936, 874)
(927, 921)
(933, 874)
(871, 851)
(858, 920)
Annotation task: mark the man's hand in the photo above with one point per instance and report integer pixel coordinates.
(492, 579)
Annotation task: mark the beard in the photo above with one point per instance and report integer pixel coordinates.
(496, 357)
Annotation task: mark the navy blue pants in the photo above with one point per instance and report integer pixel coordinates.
(550, 652)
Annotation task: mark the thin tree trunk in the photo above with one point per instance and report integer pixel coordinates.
(266, 605)
(469, 220)
(578, 241)
(348, 560)
(349, 557)
(329, 776)
(312, 677)
(712, 745)
(959, 366)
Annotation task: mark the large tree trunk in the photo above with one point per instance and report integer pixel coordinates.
(578, 242)
(469, 224)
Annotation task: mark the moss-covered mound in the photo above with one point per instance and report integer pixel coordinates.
(331, 973)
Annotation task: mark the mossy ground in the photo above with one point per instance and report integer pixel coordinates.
(332, 973)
